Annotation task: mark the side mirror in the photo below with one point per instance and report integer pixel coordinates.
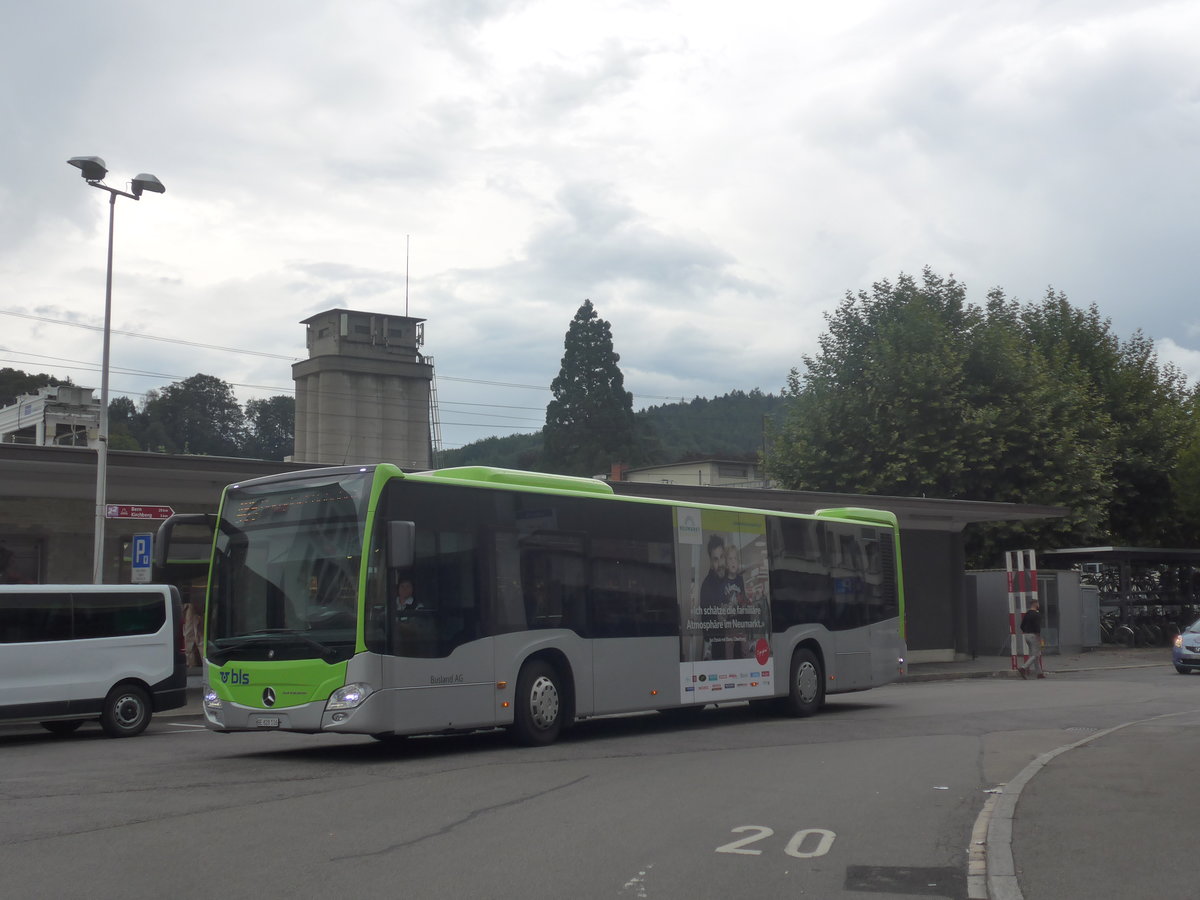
(401, 544)
(166, 535)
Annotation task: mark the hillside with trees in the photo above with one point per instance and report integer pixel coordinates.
(731, 426)
(591, 425)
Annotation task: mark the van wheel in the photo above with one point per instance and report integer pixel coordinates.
(538, 717)
(806, 688)
(63, 726)
(126, 711)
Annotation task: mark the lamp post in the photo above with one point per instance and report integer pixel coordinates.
(93, 170)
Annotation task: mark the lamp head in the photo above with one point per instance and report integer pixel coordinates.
(92, 168)
(147, 182)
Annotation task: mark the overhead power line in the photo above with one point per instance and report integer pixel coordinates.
(260, 353)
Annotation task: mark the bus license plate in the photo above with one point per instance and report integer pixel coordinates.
(266, 721)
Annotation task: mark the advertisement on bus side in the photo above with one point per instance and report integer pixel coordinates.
(725, 615)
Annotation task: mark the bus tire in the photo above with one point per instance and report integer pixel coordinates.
(806, 685)
(62, 726)
(126, 711)
(538, 717)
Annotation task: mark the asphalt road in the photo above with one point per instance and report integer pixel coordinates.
(877, 797)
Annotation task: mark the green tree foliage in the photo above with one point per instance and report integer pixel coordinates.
(731, 426)
(514, 451)
(1144, 403)
(1185, 478)
(270, 427)
(124, 423)
(14, 383)
(197, 415)
(915, 392)
(589, 423)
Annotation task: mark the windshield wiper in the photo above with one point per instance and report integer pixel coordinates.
(269, 637)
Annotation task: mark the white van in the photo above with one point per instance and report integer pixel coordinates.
(74, 652)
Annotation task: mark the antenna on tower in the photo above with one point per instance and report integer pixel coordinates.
(406, 240)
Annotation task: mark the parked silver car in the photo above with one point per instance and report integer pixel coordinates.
(1186, 652)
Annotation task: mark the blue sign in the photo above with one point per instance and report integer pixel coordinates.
(140, 559)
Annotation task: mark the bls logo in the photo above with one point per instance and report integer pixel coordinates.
(236, 676)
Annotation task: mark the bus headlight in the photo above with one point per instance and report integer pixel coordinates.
(211, 700)
(349, 697)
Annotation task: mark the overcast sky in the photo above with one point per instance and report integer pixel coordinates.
(713, 176)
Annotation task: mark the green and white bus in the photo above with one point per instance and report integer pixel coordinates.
(367, 600)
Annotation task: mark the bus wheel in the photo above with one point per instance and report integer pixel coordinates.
(538, 717)
(806, 690)
(126, 711)
(62, 726)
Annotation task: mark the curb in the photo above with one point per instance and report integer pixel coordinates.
(1008, 673)
(991, 869)
(951, 676)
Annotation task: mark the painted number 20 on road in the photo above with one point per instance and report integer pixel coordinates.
(805, 844)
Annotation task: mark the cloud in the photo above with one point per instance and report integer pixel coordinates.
(712, 188)
(1186, 359)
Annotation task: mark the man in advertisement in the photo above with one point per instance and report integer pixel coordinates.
(725, 650)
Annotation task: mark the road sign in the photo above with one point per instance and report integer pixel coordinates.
(142, 552)
(118, 511)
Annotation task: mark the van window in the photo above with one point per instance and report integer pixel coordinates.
(34, 617)
(118, 614)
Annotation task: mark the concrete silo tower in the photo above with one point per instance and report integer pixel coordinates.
(363, 394)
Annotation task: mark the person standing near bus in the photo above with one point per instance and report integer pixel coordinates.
(1031, 634)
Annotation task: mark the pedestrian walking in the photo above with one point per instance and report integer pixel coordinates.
(1031, 634)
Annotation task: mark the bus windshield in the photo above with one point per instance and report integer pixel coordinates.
(285, 572)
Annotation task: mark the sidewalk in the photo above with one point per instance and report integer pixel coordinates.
(1107, 657)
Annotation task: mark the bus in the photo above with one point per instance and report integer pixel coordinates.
(368, 600)
(70, 653)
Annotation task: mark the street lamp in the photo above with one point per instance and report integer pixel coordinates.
(93, 170)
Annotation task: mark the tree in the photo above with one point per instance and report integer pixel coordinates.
(883, 405)
(197, 415)
(14, 383)
(590, 422)
(270, 427)
(124, 425)
(1144, 402)
(915, 392)
(1185, 478)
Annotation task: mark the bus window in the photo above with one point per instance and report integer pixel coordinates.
(553, 581)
